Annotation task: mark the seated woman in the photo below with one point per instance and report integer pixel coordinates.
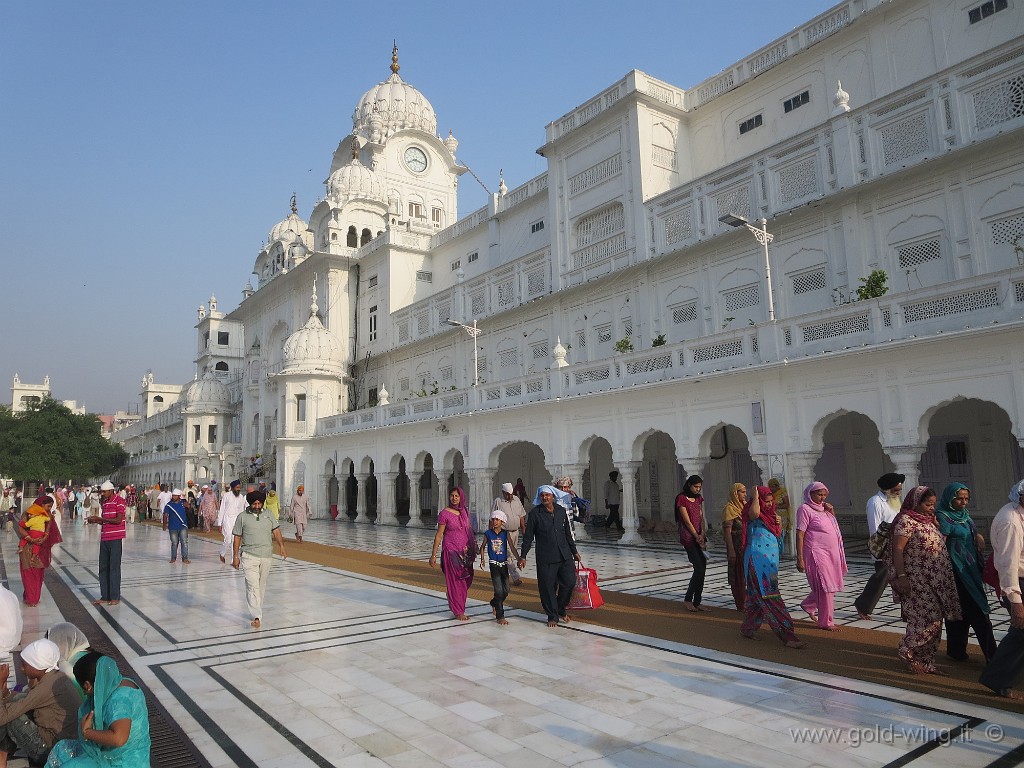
(73, 645)
(113, 728)
(35, 719)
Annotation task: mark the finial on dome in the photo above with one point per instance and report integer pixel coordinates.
(313, 308)
(394, 57)
(295, 207)
(502, 187)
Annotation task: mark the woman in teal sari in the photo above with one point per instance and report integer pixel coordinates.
(113, 727)
(964, 543)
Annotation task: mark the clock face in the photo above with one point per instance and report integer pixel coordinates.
(416, 159)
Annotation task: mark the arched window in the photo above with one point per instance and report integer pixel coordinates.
(158, 399)
(366, 237)
(353, 238)
(221, 366)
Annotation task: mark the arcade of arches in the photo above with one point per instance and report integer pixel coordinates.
(966, 440)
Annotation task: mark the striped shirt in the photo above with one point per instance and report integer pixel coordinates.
(113, 507)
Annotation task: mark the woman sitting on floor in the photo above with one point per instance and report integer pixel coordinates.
(113, 728)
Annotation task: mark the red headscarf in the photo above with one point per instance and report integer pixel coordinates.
(766, 501)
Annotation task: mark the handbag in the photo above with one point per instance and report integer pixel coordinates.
(585, 594)
(990, 575)
(880, 540)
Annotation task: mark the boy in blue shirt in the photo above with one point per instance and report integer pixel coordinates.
(496, 545)
(175, 520)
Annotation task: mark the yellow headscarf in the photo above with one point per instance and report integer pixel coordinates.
(734, 509)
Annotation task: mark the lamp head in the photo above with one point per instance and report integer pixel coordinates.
(733, 220)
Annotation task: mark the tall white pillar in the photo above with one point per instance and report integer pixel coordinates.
(630, 519)
(386, 512)
(361, 497)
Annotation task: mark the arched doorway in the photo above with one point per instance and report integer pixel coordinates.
(971, 441)
(729, 462)
(332, 487)
(521, 460)
(657, 483)
(402, 490)
(598, 463)
(851, 461)
(351, 491)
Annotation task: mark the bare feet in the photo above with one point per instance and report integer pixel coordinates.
(794, 644)
(255, 623)
(222, 559)
(503, 621)
(751, 636)
(703, 608)
(462, 617)
(1012, 693)
(690, 607)
(517, 583)
(863, 616)
(553, 623)
(99, 602)
(113, 602)
(172, 561)
(186, 562)
(811, 615)
(833, 628)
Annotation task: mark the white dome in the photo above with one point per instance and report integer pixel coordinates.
(391, 106)
(313, 348)
(207, 394)
(289, 229)
(354, 181)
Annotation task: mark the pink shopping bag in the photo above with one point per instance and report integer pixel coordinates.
(586, 594)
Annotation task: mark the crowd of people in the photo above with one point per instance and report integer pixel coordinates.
(78, 710)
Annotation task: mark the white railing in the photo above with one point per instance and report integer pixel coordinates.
(996, 298)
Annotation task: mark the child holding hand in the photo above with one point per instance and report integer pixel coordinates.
(496, 545)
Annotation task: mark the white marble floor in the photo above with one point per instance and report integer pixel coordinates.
(350, 671)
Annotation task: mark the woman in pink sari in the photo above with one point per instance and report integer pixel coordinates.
(208, 509)
(820, 555)
(458, 551)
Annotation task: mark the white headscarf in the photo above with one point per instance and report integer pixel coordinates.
(10, 621)
(42, 654)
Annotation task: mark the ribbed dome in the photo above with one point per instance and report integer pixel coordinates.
(354, 181)
(288, 229)
(391, 106)
(207, 394)
(312, 348)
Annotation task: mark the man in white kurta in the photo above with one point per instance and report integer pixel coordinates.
(231, 506)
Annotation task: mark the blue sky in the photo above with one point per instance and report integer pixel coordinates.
(147, 148)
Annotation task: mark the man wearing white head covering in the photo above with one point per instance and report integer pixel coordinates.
(10, 630)
(47, 712)
(548, 524)
(510, 504)
(1007, 534)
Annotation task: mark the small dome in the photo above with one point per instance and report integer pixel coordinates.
(288, 230)
(391, 106)
(313, 348)
(354, 181)
(207, 394)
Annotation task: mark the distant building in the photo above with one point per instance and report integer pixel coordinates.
(23, 395)
(618, 320)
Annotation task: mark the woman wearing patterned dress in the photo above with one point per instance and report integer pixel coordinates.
(732, 528)
(819, 554)
(762, 531)
(921, 577)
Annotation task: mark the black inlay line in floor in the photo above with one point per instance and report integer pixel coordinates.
(949, 737)
(1012, 758)
(273, 722)
(207, 723)
(782, 675)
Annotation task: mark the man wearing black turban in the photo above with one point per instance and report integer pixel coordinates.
(882, 508)
(254, 534)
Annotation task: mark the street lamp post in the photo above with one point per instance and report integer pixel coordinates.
(473, 332)
(734, 220)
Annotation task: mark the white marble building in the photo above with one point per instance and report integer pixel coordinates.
(620, 323)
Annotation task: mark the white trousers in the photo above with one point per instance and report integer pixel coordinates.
(257, 572)
(227, 548)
